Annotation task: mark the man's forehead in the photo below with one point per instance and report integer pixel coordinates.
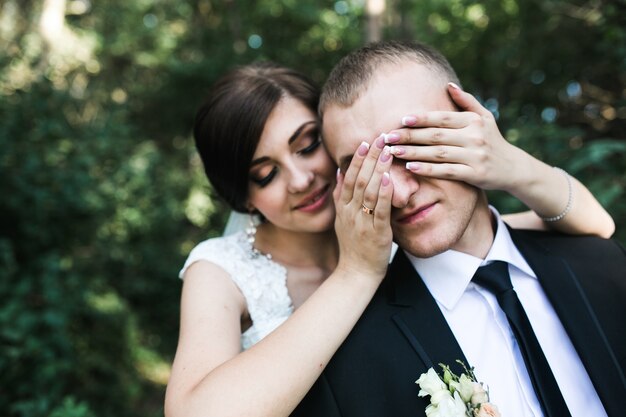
(343, 130)
(395, 91)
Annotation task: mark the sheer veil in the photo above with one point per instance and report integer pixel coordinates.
(237, 222)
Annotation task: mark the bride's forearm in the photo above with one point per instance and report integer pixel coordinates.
(546, 191)
(273, 376)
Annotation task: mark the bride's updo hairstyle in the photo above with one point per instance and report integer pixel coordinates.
(229, 125)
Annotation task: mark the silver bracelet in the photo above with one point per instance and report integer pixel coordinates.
(568, 207)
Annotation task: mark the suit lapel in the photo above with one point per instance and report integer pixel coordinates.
(575, 313)
(419, 318)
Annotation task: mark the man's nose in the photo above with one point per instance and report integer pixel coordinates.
(405, 184)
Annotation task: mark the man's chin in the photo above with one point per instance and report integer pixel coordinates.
(423, 249)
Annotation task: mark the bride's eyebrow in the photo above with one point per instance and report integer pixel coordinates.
(291, 139)
(259, 161)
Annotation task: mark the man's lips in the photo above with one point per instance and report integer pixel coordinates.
(417, 214)
(314, 200)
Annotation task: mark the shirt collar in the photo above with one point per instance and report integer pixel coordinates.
(448, 274)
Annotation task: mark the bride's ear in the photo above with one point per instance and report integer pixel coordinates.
(253, 212)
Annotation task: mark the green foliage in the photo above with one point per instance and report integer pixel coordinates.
(103, 195)
(60, 201)
(69, 408)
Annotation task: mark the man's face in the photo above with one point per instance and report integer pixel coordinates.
(429, 216)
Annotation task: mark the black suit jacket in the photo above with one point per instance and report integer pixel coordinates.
(403, 332)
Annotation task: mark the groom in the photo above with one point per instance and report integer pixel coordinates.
(429, 310)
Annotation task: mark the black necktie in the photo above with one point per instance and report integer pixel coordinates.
(495, 278)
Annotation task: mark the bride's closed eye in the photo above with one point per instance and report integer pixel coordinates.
(304, 142)
(308, 141)
(262, 178)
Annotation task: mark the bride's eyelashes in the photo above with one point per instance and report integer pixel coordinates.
(313, 146)
(262, 182)
(307, 143)
(310, 140)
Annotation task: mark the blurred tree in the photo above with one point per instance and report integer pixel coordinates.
(374, 10)
(103, 195)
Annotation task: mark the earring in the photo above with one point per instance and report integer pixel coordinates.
(251, 237)
(251, 231)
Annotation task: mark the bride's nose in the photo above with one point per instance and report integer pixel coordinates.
(300, 179)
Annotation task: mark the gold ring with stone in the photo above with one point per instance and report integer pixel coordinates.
(366, 209)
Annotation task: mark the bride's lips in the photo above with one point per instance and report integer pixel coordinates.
(417, 215)
(314, 201)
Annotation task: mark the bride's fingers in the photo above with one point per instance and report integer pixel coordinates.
(367, 169)
(426, 136)
(433, 153)
(458, 172)
(382, 214)
(445, 119)
(466, 101)
(350, 176)
(370, 194)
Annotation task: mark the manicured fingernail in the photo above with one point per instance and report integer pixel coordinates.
(453, 85)
(384, 157)
(380, 141)
(386, 179)
(338, 173)
(413, 166)
(397, 150)
(409, 120)
(364, 147)
(392, 138)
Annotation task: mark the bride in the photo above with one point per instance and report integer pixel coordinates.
(264, 309)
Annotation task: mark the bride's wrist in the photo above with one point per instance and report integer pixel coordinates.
(523, 177)
(561, 196)
(354, 272)
(543, 189)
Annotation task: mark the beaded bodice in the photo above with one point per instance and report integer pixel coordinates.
(262, 281)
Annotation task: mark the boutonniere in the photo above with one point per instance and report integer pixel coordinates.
(455, 396)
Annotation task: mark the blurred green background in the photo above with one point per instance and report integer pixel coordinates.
(102, 195)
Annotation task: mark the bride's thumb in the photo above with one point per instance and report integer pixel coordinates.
(465, 101)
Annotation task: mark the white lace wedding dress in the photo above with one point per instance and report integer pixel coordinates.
(262, 282)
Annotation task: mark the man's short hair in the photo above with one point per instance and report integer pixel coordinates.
(351, 76)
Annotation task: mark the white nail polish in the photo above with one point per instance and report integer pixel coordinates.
(409, 120)
(413, 166)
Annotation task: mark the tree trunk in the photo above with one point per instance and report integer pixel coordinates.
(374, 10)
(52, 21)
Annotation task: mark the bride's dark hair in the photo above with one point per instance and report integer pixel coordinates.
(228, 126)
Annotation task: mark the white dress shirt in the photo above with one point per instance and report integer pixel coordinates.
(483, 332)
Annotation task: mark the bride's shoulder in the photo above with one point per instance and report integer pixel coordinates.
(223, 244)
(227, 252)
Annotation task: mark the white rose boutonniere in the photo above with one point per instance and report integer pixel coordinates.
(455, 396)
(430, 383)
